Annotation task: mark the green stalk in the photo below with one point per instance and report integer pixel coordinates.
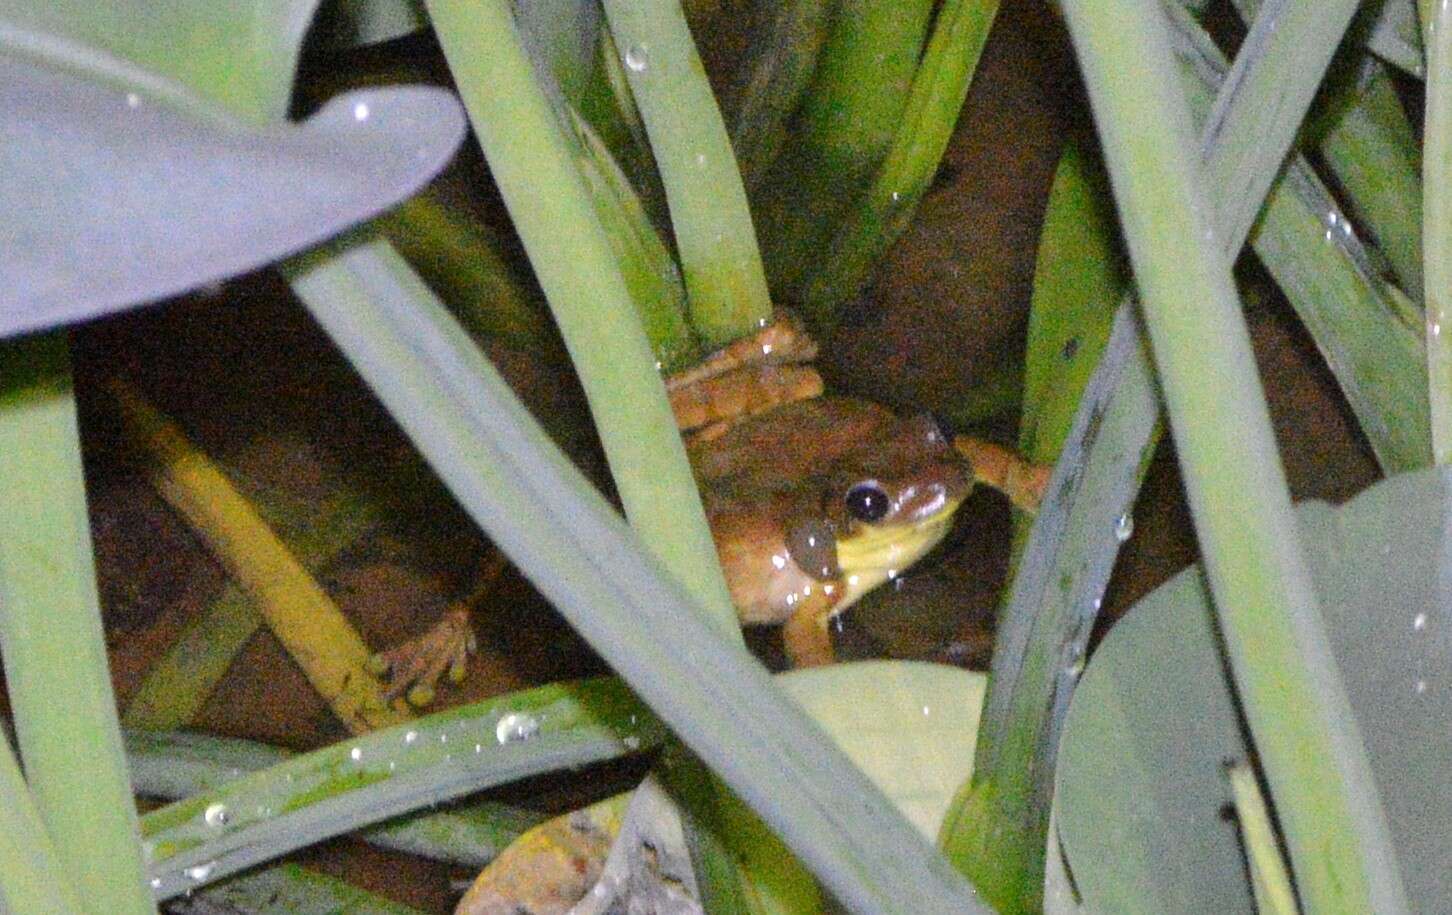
(461, 260)
(291, 889)
(880, 214)
(389, 772)
(709, 217)
(1372, 152)
(1297, 709)
(179, 683)
(50, 632)
(31, 879)
(1047, 618)
(849, 119)
(553, 213)
(780, 59)
(1437, 222)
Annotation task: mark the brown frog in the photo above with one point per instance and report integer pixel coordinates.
(815, 500)
(812, 500)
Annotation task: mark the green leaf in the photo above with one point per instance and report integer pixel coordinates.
(1141, 785)
(112, 199)
(1335, 827)
(362, 781)
(239, 55)
(50, 631)
(909, 726)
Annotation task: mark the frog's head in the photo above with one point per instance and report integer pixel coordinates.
(883, 506)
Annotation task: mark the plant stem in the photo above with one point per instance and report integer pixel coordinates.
(50, 632)
(1294, 701)
(880, 213)
(709, 215)
(1437, 222)
(302, 616)
(552, 211)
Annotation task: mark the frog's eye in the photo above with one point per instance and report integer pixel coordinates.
(867, 502)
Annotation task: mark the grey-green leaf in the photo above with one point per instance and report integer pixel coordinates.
(1141, 783)
(112, 199)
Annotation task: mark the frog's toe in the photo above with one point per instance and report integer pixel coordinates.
(414, 668)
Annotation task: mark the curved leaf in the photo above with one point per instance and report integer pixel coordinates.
(112, 200)
(1141, 782)
(241, 54)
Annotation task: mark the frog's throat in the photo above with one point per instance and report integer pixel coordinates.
(873, 556)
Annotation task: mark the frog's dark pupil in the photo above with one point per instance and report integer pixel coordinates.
(867, 502)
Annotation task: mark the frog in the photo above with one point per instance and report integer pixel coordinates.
(816, 499)
(813, 499)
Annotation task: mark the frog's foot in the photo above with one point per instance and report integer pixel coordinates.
(749, 376)
(708, 408)
(1006, 471)
(415, 666)
(784, 340)
(808, 641)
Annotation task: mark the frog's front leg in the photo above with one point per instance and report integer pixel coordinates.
(808, 638)
(1007, 471)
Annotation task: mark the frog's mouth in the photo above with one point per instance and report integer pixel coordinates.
(872, 556)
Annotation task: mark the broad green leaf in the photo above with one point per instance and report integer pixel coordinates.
(112, 199)
(1141, 781)
(240, 55)
(910, 726)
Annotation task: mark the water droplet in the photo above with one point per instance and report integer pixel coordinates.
(1124, 527)
(200, 872)
(766, 349)
(133, 100)
(443, 738)
(478, 748)
(927, 711)
(516, 726)
(1328, 234)
(778, 561)
(636, 58)
(1098, 602)
(217, 815)
(896, 196)
(410, 738)
(156, 883)
(631, 742)
(356, 754)
(1419, 622)
(659, 365)
(360, 111)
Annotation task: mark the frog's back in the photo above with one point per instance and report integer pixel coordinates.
(777, 451)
